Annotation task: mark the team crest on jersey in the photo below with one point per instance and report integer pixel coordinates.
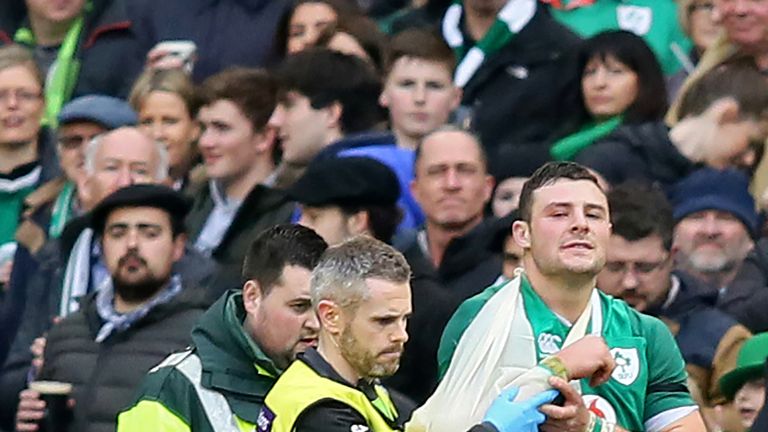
(549, 343)
(600, 407)
(636, 19)
(627, 365)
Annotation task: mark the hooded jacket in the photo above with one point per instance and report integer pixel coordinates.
(233, 365)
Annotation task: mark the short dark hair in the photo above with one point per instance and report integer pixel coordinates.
(419, 43)
(548, 174)
(382, 219)
(739, 79)
(364, 30)
(324, 77)
(278, 247)
(254, 92)
(631, 50)
(641, 210)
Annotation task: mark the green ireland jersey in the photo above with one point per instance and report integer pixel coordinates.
(647, 390)
(654, 20)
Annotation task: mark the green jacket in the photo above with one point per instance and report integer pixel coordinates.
(233, 366)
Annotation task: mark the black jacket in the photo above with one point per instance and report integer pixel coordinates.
(263, 208)
(24, 263)
(334, 416)
(469, 264)
(708, 338)
(746, 297)
(640, 152)
(105, 375)
(526, 95)
(109, 53)
(432, 308)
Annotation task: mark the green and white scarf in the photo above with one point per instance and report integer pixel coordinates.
(62, 210)
(62, 77)
(512, 18)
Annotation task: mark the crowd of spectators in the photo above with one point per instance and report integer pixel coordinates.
(415, 123)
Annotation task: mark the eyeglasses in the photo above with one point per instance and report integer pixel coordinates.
(639, 267)
(21, 95)
(72, 142)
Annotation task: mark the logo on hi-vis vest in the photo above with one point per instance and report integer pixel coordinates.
(600, 407)
(636, 19)
(265, 419)
(549, 343)
(627, 365)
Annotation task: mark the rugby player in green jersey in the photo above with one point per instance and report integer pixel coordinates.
(563, 230)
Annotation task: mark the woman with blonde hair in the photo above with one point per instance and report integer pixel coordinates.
(167, 103)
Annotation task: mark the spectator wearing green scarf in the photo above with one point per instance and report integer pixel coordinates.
(82, 47)
(621, 82)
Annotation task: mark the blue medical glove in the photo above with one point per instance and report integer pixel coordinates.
(506, 415)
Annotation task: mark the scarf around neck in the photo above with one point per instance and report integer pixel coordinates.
(512, 18)
(568, 147)
(115, 322)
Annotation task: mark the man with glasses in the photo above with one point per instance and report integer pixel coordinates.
(639, 269)
(55, 203)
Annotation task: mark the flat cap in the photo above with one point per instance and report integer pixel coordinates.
(107, 111)
(141, 195)
(346, 181)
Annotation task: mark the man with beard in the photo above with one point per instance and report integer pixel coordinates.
(715, 218)
(140, 314)
(240, 345)
(564, 228)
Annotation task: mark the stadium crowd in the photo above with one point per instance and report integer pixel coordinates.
(352, 215)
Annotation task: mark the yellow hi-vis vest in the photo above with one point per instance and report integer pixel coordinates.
(300, 387)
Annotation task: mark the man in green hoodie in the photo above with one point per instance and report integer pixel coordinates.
(240, 345)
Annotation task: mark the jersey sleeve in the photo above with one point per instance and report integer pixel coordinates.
(667, 397)
(331, 416)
